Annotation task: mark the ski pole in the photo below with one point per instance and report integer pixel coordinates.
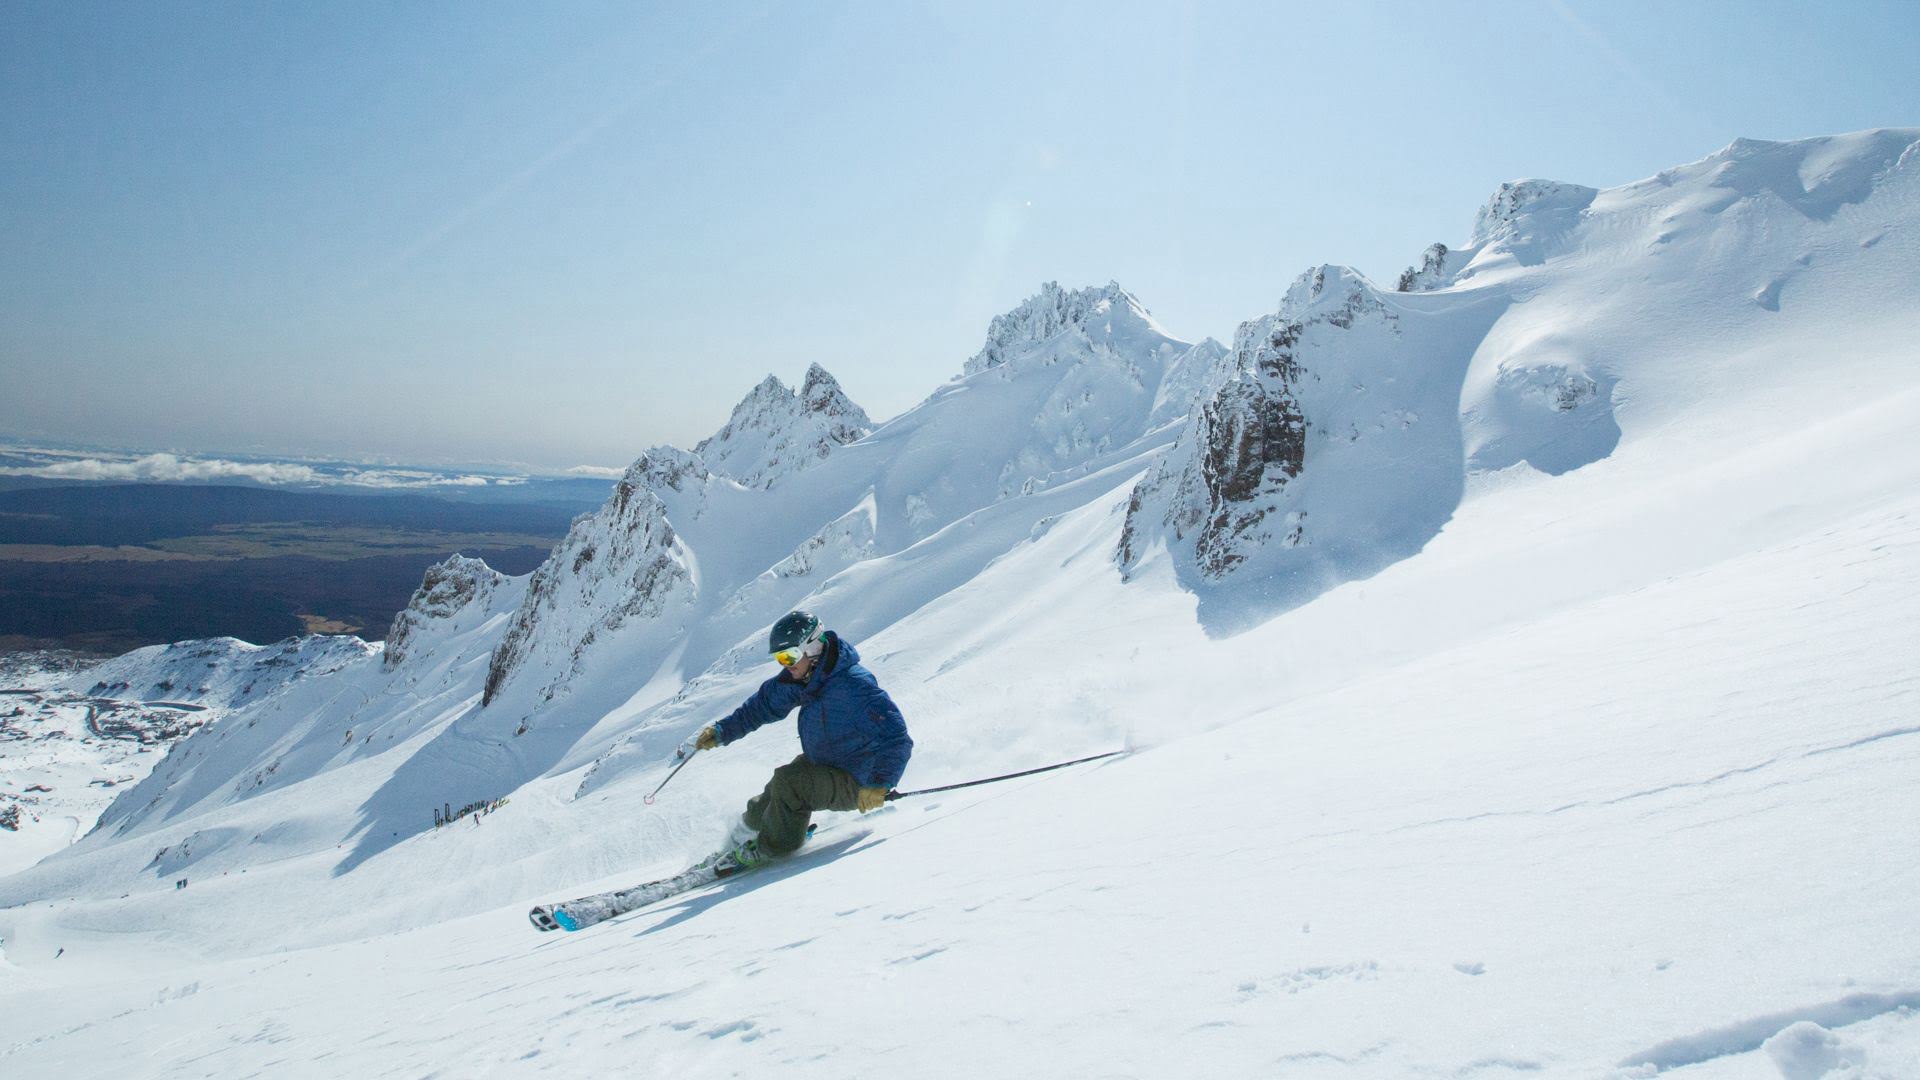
(688, 760)
(892, 795)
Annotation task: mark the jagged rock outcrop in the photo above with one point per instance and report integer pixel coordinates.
(1222, 493)
(775, 431)
(1099, 313)
(1528, 220)
(448, 588)
(1432, 272)
(621, 563)
(1519, 204)
(1082, 373)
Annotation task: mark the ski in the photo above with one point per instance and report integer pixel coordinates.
(586, 911)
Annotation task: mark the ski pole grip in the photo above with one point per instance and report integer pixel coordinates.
(892, 794)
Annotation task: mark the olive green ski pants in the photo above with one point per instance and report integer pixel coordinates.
(798, 788)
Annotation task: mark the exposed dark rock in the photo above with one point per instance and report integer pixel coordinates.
(620, 563)
(446, 589)
(1430, 274)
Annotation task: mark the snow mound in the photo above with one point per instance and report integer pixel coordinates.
(1807, 1051)
(1816, 177)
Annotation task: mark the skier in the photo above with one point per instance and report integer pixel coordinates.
(853, 741)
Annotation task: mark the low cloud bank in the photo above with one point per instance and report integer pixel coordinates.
(171, 468)
(167, 467)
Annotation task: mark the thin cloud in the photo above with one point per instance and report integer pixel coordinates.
(562, 149)
(1622, 62)
(168, 468)
(171, 468)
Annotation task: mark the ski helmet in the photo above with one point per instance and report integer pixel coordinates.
(795, 631)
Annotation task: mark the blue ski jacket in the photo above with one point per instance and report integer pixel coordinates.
(846, 720)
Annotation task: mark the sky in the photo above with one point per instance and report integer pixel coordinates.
(556, 235)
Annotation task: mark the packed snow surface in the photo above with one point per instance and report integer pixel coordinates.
(1602, 765)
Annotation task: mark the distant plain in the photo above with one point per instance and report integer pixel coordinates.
(105, 568)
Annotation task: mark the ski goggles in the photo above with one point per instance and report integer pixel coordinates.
(790, 657)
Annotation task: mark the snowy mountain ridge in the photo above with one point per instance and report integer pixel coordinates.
(1587, 557)
(450, 589)
(225, 672)
(1098, 315)
(775, 431)
(1068, 397)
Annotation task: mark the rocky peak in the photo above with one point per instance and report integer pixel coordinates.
(446, 590)
(1515, 203)
(1323, 292)
(1430, 274)
(621, 563)
(821, 397)
(1052, 311)
(1337, 295)
(1221, 491)
(775, 431)
(662, 468)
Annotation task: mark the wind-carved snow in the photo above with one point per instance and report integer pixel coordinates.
(775, 431)
(1187, 379)
(1548, 408)
(1816, 177)
(839, 544)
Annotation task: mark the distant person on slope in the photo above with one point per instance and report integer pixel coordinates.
(853, 741)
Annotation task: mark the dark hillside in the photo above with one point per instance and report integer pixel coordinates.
(115, 514)
(112, 567)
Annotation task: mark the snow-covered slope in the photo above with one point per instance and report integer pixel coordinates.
(1338, 435)
(1596, 761)
(683, 570)
(222, 672)
(1326, 447)
(75, 736)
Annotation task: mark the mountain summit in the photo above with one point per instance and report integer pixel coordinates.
(1103, 315)
(775, 431)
